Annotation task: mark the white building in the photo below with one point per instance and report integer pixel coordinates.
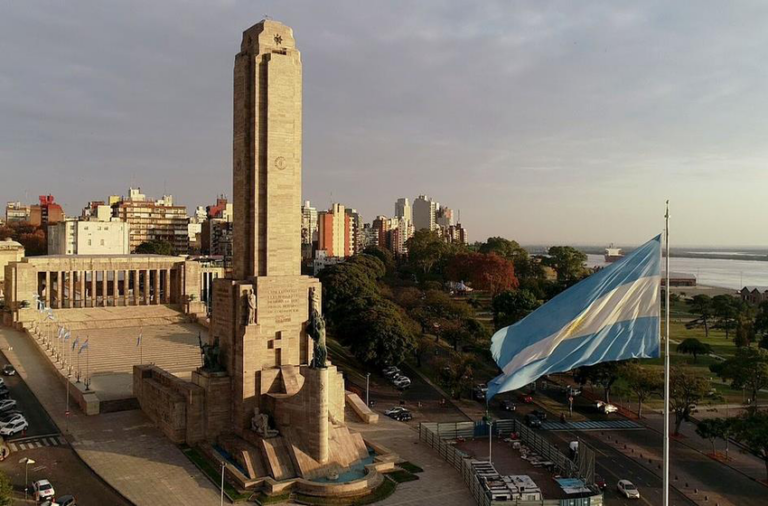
(403, 209)
(424, 211)
(99, 235)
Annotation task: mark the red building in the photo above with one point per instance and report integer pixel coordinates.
(47, 212)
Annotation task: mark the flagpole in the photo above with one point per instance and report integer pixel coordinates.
(665, 477)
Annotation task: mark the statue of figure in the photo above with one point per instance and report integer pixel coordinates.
(260, 424)
(250, 307)
(211, 354)
(316, 330)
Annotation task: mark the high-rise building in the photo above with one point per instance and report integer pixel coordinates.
(333, 232)
(355, 231)
(381, 226)
(154, 220)
(47, 212)
(16, 212)
(444, 217)
(370, 236)
(403, 209)
(308, 223)
(99, 234)
(222, 209)
(401, 231)
(424, 210)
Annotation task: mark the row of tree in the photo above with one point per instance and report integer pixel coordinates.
(751, 429)
(731, 313)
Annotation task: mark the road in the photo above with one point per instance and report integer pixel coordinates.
(54, 459)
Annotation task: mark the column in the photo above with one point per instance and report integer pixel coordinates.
(146, 286)
(167, 286)
(93, 301)
(126, 285)
(81, 279)
(135, 276)
(71, 283)
(59, 289)
(157, 286)
(104, 288)
(47, 289)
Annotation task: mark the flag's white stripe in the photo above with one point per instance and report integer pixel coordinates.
(639, 298)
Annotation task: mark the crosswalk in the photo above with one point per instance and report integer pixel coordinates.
(36, 442)
(592, 425)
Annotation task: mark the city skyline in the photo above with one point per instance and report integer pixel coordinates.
(568, 124)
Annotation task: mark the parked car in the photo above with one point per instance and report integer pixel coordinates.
(7, 405)
(403, 416)
(628, 489)
(8, 370)
(479, 391)
(9, 414)
(65, 500)
(42, 489)
(14, 428)
(508, 405)
(600, 482)
(395, 410)
(525, 398)
(391, 371)
(540, 414)
(572, 390)
(4, 393)
(402, 382)
(532, 421)
(12, 420)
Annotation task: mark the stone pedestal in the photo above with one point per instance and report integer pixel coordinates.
(217, 415)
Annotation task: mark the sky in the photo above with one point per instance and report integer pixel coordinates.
(541, 121)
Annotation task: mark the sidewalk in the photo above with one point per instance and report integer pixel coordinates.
(124, 448)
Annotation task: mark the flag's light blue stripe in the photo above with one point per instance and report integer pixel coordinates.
(564, 308)
(637, 338)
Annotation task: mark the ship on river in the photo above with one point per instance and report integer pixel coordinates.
(613, 254)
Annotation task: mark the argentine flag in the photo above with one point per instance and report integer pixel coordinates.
(611, 315)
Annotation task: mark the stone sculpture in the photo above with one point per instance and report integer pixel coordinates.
(316, 330)
(211, 354)
(250, 307)
(260, 424)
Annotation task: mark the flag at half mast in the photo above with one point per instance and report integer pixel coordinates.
(611, 315)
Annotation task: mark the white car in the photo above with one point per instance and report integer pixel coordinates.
(402, 382)
(395, 410)
(14, 428)
(42, 489)
(606, 408)
(391, 371)
(7, 404)
(628, 489)
(12, 420)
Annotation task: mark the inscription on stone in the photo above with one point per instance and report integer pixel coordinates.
(283, 304)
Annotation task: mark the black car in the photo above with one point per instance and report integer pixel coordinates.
(532, 421)
(8, 370)
(540, 414)
(508, 405)
(403, 416)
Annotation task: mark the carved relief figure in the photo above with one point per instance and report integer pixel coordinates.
(316, 330)
(250, 307)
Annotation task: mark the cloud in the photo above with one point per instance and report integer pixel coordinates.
(540, 120)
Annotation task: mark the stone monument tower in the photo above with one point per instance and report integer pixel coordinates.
(260, 318)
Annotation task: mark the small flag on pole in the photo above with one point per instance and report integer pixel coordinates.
(74, 344)
(67, 335)
(138, 341)
(84, 346)
(61, 332)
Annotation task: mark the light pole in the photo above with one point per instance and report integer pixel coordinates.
(223, 466)
(367, 389)
(26, 461)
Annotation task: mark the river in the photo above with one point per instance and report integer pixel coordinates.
(712, 272)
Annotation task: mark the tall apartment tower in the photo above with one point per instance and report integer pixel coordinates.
(403, 209)
(424, 210)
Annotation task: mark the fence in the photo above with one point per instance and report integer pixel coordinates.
(438, 435)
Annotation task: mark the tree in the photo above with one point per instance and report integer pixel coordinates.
(382, 254)
(727, 309)
(761, 321)
(702, 305)
(693, 346)
(35, 243)
(710, 428)
(512, 306)
(155, 247)
(503, 247)
(748, 368)
(745, 333)
(6, 490)
(602, 374)
(568, 263)
(421, 347)
(425, 249)
(752, 430)
(457, 374)
(344, 284)
(377, 332)
(686, 389)
(643, 382)
(370, 263)
(484, 271)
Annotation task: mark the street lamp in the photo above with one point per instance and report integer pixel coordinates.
(223, 466)
(367, 389)
(26, 461)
